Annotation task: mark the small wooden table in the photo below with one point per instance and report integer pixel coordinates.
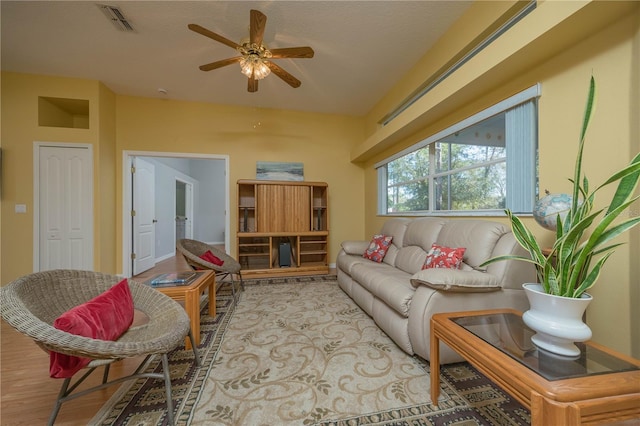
(598, 386)
(190, 296)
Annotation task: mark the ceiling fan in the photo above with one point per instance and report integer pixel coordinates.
(255, 59)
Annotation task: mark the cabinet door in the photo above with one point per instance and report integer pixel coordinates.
(297, 210)
(283, 208)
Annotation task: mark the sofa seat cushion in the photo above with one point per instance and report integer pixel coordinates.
(465, 281)
(365, 273)
(390, 285)
(346, 262)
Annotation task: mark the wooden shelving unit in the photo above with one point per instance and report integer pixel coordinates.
(283, 228)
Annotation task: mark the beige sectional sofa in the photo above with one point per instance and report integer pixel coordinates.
(401, 297)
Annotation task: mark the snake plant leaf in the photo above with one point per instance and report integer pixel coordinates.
(589, 281)
(617, 230)
(607, 248)
(525, 236)
(591, 97)
(585, 125)
(507, 257)
(629, 177)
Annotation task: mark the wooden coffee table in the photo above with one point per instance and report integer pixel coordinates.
(190, 296)
(598, 386)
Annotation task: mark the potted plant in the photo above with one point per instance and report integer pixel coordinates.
(582, 245)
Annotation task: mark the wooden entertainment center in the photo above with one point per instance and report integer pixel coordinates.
(283, 228)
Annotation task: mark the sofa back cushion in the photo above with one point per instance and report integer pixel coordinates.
(423, 232)
(479, 237)
(396, 228)
(419, 236)
(410, 259)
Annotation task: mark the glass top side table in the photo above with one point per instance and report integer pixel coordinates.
(598, 386)
(508, 333)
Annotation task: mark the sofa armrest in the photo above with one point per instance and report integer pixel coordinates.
(455, 280)
(355, 247)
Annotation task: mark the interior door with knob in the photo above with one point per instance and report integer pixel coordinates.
(64, 189)
(143, 216)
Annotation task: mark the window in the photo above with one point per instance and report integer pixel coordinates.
(483, 164)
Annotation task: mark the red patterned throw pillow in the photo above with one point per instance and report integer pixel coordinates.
(105, 317)
(378, 248)
(444, 257)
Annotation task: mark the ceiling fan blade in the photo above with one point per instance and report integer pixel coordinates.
(292, 52)
(220, 64)
(257, 23)
(253, 85)
(217, 37)
(288, 78)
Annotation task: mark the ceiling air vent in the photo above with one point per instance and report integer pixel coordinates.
(116, 17)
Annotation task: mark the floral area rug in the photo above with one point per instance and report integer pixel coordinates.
(298, 351)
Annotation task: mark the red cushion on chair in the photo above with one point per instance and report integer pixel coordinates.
(212, 258)
(105, 317)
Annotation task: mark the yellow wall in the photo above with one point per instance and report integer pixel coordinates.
(106, 209)
(560, 45)
(321, 141)
(19, 131)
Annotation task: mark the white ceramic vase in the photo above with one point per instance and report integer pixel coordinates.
(557, 320)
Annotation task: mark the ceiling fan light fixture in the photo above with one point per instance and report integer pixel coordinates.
(253, 65)
(254, 58)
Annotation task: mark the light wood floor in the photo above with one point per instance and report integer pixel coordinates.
(27, 391)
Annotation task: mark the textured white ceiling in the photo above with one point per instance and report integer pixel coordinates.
(361, 47)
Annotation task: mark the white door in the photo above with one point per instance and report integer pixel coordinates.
(143, 215)
(65, 207)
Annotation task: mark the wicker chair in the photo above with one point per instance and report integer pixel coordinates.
(193, 249)
(31, 304)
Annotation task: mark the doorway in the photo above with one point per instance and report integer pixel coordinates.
(184, 210)
(209, 200)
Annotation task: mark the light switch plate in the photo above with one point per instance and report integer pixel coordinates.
(21, 208)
